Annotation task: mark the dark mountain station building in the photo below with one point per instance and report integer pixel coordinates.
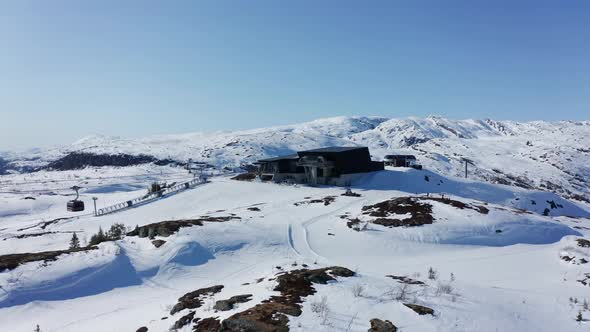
(333, 166)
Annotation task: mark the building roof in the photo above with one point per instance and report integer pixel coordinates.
(286, 157)
(336, 149)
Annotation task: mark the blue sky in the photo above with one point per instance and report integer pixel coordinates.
(133, 68)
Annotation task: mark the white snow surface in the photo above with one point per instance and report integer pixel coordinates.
(508, 268)
(503, 268)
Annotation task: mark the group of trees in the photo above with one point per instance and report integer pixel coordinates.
(116, 232)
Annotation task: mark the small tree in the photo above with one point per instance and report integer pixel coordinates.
(116, 231)
(74, 242)
(98, 237)
(37, 328)
(432, 274)
(579, 317)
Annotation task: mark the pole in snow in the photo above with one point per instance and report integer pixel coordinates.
(467, 161)
(466, 169)
(94, 199)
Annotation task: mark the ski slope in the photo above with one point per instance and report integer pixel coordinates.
(512, 280)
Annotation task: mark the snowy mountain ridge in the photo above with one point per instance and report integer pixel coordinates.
(538, 154)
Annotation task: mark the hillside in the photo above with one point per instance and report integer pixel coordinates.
(550, 156)
(232, 254)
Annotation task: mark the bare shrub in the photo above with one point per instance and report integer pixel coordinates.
(402, 292)
(358, 290)
(443, 288)
(432, 274)
(322, 309)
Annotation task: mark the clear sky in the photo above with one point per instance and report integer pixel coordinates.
(133, 68)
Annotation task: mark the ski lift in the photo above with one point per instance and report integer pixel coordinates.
(75, 205)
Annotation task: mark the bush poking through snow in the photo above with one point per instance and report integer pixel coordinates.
(358, 290)
(443, 288)
(432, 274)
(579, 317)
(402, 292)
(322, 309)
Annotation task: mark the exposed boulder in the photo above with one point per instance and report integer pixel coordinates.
(378, 325)
(225, 305)
(194, 299)
(405, 280)
(420, 309)
(184, 320)
(583, 243)
(158, 243)
(210, 324)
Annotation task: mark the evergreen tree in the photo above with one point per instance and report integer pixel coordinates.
(98, 237)
(74, 242)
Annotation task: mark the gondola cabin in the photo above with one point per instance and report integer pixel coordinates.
(75, 206)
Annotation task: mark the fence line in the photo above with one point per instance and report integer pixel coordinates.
(150, 197)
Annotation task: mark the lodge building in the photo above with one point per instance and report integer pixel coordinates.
(331, 166)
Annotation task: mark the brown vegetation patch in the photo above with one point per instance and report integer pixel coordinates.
(421, 213)
(12, 261)
(245, 177)
(458, 204)
(420, 309)
(293, 286)
(194, 299)
(167, 228)
(268, 316)
(184, 320)
(326, 201)
(210, 324)
(225, 305)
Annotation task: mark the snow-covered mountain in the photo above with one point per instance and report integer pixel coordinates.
(552, 156)
(412, 250)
